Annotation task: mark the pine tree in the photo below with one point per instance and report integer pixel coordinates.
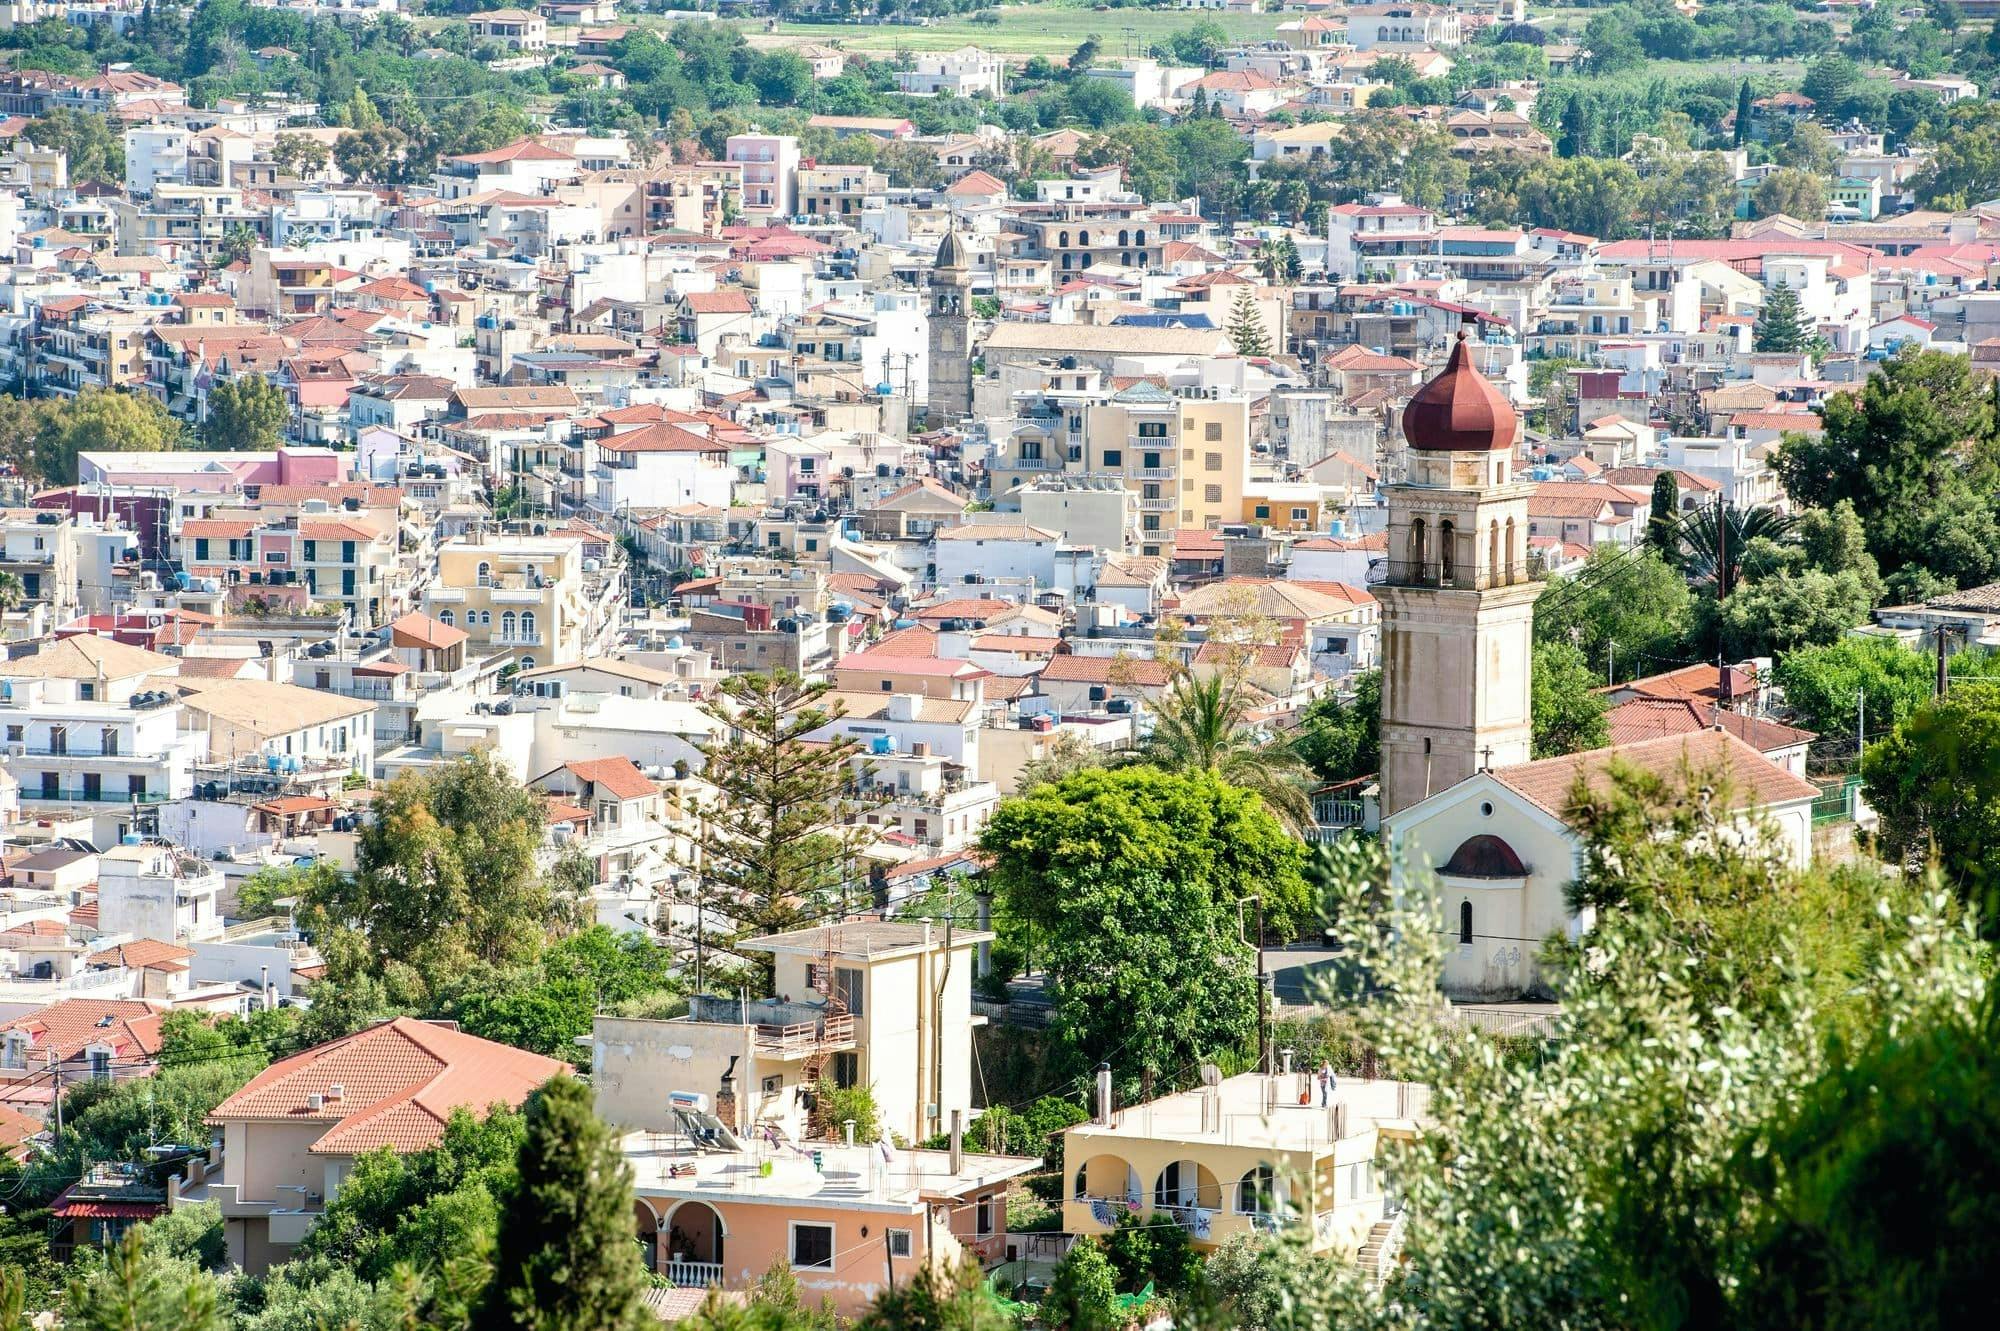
(1745, 113)
(1780, 326)
(1660, 522)
(137, 1290)
(566, 1259)
(776, 842)
(1246, 325)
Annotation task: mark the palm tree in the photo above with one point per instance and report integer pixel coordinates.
(1717, 538)
(1201, 723)
(11, 591)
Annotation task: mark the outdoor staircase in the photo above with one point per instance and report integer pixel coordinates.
(1382, 1247)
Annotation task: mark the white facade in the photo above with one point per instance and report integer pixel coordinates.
(965, 72)
(157, 891)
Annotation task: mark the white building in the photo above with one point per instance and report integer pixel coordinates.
(996, 552)
(961, 73)
(153, 890)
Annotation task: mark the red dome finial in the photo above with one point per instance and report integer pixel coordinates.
(1459, 411)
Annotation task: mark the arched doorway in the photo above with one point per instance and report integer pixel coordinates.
(647, 1224)
(694, 1246)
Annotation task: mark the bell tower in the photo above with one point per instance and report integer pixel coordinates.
(951, 334)
(1458, 602)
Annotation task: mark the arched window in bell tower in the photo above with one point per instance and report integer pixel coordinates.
(1513, 555)
(1493, 552)
(1418, 555)
(1447, 557)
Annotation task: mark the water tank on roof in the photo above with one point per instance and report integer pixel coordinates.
(675, 644)
(129, 839)
(271, 762)
(882, 744)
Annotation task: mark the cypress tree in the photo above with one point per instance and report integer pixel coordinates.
(1745, 112)
(567, 1258)
(1575, 139)
(1660, 522)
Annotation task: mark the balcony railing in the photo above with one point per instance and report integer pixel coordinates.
(802, 1038)
(65, 795)
(693, 1275)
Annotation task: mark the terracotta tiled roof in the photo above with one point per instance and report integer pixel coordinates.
(1650, 718)
(717, 302)
(616, 776)
(913, 641)
(1695, 681)
(143, 954)
(69, 1026)
(420, 630)
(399, 1083)
(1136, 671)
(1756, 782)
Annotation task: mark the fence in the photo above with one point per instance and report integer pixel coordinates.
(1836, 802)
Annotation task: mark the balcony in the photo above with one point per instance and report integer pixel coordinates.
(693, 1275)
(805, 1037)
(78, 795)
(1156, 503)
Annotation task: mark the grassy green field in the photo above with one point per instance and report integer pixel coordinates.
(1049, 29)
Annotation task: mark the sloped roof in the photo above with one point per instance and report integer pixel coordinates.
(1136, 671)
(87, 656)
(616, 775)
(1756, 782)
(399, 1083)
(69, 1026)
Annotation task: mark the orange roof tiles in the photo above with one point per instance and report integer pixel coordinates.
(1756, 782)
(398, 1084)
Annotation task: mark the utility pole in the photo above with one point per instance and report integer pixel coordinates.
(1943, 675)
(1263, 1013)
(1610, 662)
(1860, 723)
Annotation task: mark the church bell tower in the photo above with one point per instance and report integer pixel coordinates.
(1458, 602)
(951, 334)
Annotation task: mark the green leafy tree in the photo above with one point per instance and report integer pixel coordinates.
(566, 1259)
(938, 1298)
(1623, 612)
(1145, 1252)
(1339, 737)
(1201, 722)
(1935, 784)
(1719, 544)
(1780, 326)
(1083, 1291)
(1100, 102)
(1246, 325)
(1777, 614)
(245, 413)
(100, 420)
(1790, 193)
(92, 147)
(1568, 712)
(1133, 882)
(1825, 687)
(445, 879)
(1913, 453)
(776, 843)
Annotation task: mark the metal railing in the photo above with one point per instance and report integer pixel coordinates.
(1462, 577)
(68, 795)
(805, 1036)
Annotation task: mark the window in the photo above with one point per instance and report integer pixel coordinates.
(1211, 494)
(107, 741)
(312, 552)
(1263, 510)
(1211, 462)
(1465, 924)
(135, 786)
(1211, 431)
(847, 1070)
(899, 1243)
(1152, 429)
(812, 1246)
(15, 734)
(1114, 457)
(984, 1212)
(849, 982)
(1301, 515)
(1256, 1191)
(445, 618)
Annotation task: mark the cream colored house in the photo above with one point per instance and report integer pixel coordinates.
(1499, 855)
(877, 1003)
(518, 595)
(1253, 1153)
(291, 1136)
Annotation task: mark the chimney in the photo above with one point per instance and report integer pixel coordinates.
(1286, 1054)
(725, 1095)
(264, 985)
(336, 1093)
(904, 706)
(1104, 1095)
(957, 1142)
(847, 1124)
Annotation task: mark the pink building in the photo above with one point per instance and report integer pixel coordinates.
(848, 1220)
(215, 473)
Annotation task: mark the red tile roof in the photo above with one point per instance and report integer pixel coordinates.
(67, 1027)
(616, 775)
(1136, 671)
(399, 1083)
(1756, 782)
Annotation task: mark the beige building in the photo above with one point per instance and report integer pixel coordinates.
(881, 1004)
(291, 1136)
(518, 595)
(1251, 1154)
(1458, 599)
